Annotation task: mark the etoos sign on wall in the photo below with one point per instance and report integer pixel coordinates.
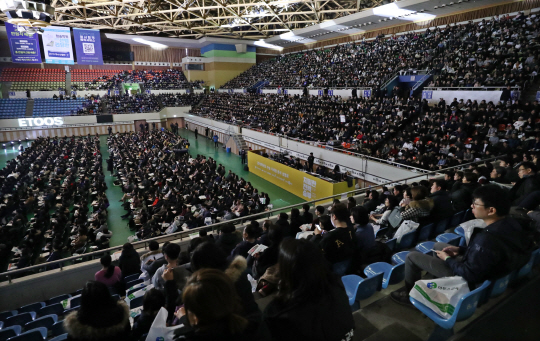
(41, 121)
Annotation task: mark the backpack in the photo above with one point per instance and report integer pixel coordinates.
(516, 258)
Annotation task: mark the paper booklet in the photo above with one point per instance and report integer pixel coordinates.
(257, 249)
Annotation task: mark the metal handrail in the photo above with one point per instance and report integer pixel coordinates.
(214, 226)
(347, 151)
(468, 88)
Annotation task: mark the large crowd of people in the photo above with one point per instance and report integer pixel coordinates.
(45, 180)
(407, 131)
(494, 52)
(170, 79)
(167, 189)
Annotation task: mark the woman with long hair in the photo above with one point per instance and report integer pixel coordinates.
(311, 303)
(420, 205)
(212, 308)
(99, 318)
(109, 275)
(382, 219)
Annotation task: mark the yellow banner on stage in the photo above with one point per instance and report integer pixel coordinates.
(292, 180)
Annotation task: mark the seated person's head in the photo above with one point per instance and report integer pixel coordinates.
(208, 255)
(490, 202)
(171, 252)
(209, 298)
(319, 210)
(340, 213)
(153, 245)
(359, 215)
(419, 193)
(153, 300)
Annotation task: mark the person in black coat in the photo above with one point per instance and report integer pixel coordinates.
(372, 202)
(269, 257)
(243, 247)
(99, 318)
(228, 239)
(527, 183)
(283, 223)
(442, 204)
(311, 303)
(461, 194)
(153, 300)
(129, 261)
(296, 222)
(307, 216)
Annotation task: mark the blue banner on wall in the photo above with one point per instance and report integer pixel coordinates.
(88, 46)
(24, 47)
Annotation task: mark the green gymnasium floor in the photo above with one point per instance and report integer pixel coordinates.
(278, 197)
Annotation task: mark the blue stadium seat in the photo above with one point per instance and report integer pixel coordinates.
(37, 334)
(57, 328)
(498, 287)
(136, 302)
(5, 314)
(57, 299)
(20, 319)
(407, 240)
(131, 278)
(449, 238)
(461, 232)
(381, 232)
(75, 301)
(45, 321)
(358, 289)
(392, 274)
(424, 233)
(441, 226)
(134, 282)
(527, 268)
(60, 337)
(57, 309)
(391, 243)
(399, 257)
(9, 332)
(463, 310)
(456, 219)
(67, 311)
(425, 247)
(31, 307)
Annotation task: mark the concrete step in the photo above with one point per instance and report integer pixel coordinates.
(29, 108)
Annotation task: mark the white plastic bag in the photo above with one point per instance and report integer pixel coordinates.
(440, 294)
(405, 227)
(159, 329)
(469, 226)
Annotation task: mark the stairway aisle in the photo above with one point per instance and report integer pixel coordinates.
(118, 226)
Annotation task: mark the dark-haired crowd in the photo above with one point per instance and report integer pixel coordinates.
(207, 294)
(492, 52)
(45, 180)
(166, 189)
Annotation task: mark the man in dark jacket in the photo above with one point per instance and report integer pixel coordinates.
(373, 201)
(228, 239)
(483, 258)
(527, 183)
(442, 205)
(307, 216)
(461, 194)
(250, 237)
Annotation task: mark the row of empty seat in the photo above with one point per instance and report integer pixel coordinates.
(49, 107)
(12, 108)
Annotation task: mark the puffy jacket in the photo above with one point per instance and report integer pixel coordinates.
(483, 257)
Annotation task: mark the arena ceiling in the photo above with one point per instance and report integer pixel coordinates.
(246, 19)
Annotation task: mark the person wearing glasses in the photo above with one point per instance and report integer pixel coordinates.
(527, 183)
(483, 258)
